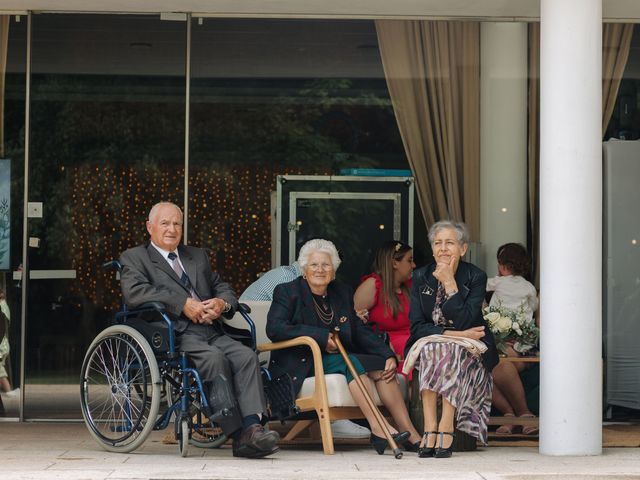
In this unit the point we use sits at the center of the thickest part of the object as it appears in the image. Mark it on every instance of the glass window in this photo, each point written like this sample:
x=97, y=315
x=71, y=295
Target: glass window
x=273, y=97
x=107, y=142
x=11, y=213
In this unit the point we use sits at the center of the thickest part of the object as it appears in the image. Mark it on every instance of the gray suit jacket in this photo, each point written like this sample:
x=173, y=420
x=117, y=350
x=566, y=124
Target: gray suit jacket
x=147, y=277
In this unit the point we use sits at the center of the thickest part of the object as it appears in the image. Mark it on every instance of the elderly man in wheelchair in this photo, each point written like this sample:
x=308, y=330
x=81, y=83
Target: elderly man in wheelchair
x=176, y=301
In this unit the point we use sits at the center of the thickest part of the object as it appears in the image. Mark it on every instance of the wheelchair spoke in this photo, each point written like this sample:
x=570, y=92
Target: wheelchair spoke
x=118, y=389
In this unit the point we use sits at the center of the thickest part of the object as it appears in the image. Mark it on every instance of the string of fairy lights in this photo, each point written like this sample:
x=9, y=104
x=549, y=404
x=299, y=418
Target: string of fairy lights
x=229, y=214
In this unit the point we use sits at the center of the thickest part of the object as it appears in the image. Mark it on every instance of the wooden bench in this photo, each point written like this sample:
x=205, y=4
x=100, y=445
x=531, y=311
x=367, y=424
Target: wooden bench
x=526, y=421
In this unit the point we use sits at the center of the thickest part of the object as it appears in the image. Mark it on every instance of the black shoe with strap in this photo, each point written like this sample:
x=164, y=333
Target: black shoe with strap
x=442, y=452
x=425, y=451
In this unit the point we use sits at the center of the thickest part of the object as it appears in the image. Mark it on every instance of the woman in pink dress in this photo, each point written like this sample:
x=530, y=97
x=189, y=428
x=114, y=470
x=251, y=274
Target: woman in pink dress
x=383, y=297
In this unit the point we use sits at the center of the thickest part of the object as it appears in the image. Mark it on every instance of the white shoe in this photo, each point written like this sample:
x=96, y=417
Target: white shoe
x=348, y=429
x=13, y=393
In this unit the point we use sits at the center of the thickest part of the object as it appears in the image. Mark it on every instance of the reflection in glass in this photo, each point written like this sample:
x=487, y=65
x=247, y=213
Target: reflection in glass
x=12, y=153
x=107, y=142
x=272, y=97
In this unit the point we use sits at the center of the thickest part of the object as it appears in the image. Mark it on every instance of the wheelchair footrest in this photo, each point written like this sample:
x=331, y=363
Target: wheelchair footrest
x=223, y=407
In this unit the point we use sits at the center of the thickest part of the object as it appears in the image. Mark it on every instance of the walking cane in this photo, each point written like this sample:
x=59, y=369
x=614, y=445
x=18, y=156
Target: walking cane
x=365, y=393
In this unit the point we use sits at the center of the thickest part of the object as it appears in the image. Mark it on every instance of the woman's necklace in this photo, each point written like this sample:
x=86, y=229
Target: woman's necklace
x=325, y=312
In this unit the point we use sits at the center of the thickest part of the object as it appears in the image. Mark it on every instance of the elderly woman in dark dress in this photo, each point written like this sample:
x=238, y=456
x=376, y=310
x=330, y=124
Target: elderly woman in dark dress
x=313, y=305
x=446, y=300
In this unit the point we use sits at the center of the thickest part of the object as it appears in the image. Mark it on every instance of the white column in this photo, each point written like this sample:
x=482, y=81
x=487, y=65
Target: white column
x=503, y=137
x=571, y=227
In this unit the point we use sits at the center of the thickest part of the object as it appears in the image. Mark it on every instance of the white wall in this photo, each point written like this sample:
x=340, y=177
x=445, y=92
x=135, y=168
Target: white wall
x=503, y=137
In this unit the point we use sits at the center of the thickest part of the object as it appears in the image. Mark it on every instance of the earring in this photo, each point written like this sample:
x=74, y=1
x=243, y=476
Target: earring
x=304, y=275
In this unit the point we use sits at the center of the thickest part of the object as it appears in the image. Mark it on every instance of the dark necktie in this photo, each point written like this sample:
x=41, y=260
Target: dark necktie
x=182, y=275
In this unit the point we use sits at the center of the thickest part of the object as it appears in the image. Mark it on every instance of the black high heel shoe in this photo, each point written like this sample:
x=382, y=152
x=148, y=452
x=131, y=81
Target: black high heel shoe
x=442, y=452
x=380, y=444
x=411, y=447
x=427, y=451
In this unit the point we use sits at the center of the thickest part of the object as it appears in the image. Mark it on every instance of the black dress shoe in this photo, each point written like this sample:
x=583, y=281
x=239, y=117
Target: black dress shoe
x=442, y=452
x=256, y=442
x=426, y=451
x=380, y=444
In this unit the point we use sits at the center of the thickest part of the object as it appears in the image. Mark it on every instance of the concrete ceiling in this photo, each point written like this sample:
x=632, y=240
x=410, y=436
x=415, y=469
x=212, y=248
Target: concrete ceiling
x=496, y=9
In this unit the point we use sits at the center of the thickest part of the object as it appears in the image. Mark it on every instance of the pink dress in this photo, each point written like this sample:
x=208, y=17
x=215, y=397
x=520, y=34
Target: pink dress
x=397, y=328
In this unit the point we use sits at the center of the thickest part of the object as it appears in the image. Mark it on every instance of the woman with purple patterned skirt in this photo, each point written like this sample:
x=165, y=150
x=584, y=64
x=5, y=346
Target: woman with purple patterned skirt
x=450, y=344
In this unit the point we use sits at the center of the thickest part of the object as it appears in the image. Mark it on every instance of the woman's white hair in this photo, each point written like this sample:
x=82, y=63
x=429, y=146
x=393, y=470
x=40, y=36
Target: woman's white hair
x=459, y=227
x=318, y=245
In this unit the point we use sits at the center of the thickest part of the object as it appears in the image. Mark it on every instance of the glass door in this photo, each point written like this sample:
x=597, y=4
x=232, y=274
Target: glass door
x=107, y=142
x=12, y=124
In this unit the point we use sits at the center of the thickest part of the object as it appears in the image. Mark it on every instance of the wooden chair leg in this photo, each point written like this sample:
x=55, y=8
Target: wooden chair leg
x=299, y=427
x=325, y=432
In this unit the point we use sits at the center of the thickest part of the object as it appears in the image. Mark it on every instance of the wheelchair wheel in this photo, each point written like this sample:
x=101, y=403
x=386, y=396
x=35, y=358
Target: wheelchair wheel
x=183, y=438
x=206, y=434
x=120, y=389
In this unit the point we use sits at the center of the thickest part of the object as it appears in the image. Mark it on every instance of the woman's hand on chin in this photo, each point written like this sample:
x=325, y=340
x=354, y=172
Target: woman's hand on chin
x=445, y=271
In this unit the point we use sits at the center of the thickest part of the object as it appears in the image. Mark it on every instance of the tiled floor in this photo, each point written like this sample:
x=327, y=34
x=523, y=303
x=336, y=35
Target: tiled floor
x=66, y=451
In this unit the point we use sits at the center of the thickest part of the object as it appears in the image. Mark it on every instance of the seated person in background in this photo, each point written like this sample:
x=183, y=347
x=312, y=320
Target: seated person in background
x=5, y=384
x=449, y=332
x=180, y=277
x=262, y=289
x=383, y=297
x=512, y=291
x=313, y=305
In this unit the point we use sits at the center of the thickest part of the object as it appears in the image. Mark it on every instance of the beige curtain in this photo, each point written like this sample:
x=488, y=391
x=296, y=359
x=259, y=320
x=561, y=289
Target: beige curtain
x=616, y=43
x=432, y=70
x=533, y=147
x=4, y=42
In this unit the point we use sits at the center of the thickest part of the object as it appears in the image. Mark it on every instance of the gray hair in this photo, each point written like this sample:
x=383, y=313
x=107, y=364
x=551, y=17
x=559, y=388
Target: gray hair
x=154, y=210
x=318, y=245
x=460, y=228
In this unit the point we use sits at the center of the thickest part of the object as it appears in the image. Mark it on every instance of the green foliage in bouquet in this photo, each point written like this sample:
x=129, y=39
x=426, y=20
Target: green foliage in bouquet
x=511, y=326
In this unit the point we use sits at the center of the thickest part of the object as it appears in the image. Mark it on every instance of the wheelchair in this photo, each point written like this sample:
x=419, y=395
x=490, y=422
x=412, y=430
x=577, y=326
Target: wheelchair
x=134, y=380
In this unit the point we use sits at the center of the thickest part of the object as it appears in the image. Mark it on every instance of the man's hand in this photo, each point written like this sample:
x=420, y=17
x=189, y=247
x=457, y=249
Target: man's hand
x=194, y=310
x=214, y=307
x=205, y=312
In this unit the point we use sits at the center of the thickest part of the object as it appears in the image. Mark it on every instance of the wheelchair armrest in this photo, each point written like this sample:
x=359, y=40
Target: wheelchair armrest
x=243, y=307
x=151, y=306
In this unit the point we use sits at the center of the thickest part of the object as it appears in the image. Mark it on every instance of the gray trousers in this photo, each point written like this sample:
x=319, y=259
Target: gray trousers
x=214, y=353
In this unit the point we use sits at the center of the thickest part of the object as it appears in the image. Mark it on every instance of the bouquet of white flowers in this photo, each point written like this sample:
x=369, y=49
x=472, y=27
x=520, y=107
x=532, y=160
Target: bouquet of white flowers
x=511, y=326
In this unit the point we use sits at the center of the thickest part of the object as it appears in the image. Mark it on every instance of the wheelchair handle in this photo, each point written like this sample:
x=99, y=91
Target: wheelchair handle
x=112, y=265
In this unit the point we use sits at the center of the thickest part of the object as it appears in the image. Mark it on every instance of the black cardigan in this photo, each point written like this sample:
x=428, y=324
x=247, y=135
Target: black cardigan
x=292, y=315
x=462, y=311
